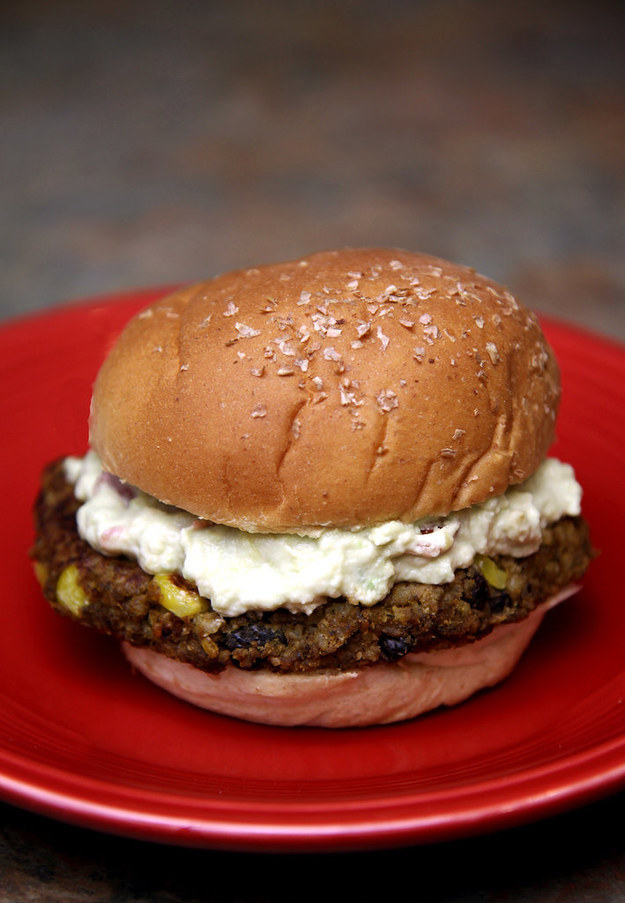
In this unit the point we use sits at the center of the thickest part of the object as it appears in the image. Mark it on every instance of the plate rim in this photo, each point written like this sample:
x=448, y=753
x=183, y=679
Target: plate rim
x=302, y=835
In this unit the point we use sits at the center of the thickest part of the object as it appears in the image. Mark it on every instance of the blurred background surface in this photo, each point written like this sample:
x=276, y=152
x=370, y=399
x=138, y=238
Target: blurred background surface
x=157, y=141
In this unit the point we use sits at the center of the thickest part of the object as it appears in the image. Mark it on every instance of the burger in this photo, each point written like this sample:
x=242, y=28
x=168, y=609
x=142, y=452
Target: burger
x=318, y=492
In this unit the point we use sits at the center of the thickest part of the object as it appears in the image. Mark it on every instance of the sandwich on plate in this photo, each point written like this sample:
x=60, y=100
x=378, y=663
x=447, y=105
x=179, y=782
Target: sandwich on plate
x=319, y=492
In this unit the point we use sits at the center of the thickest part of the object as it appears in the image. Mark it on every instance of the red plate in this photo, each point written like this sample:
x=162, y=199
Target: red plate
x=84, y=740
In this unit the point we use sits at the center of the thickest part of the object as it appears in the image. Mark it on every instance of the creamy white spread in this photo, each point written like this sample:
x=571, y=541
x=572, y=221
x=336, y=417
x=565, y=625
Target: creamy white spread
x=241, y=571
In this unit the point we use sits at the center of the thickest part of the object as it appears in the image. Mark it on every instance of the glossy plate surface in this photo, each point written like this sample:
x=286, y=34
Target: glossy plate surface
x=84, y=740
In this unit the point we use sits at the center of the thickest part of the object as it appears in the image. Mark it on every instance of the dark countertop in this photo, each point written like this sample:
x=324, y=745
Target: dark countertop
x=149, y=143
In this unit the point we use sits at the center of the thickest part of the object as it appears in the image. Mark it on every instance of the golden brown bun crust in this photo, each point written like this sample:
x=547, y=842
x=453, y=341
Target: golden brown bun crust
x=350, y=387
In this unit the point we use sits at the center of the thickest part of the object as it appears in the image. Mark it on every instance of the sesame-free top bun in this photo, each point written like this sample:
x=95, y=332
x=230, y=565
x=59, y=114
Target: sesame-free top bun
x=346, y=388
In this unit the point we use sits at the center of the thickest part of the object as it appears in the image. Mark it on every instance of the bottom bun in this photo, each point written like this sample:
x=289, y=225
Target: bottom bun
x=378, y=694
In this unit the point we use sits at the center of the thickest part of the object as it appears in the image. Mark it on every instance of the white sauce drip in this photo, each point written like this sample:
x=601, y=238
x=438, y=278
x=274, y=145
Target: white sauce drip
x=241, y=571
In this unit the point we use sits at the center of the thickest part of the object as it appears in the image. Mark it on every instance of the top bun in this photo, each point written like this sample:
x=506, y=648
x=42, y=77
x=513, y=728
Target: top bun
x=347, y=388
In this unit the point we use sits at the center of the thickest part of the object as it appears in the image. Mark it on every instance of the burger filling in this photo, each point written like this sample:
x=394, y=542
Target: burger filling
x=241, y=571
x=122, y=562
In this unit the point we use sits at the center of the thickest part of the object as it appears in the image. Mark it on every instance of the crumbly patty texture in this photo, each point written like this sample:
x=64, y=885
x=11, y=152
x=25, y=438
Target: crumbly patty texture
x=114, y=596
